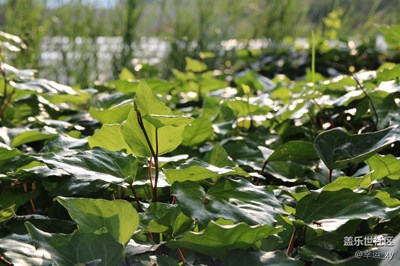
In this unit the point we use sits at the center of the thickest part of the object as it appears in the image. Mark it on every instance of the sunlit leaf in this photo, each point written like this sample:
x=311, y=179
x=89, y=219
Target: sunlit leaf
x=118, y=216
x=196, y=170
x=217, y=239
x=199, y=131
x=109, y=137
x=384, y=166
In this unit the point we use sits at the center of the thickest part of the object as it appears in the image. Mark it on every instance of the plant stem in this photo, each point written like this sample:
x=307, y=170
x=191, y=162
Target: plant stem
x=153, y=153
x=370, y=101
x=136, y=198
x=181, y=256
x=5, y=261
x=291, y=242
x=149, y=166
x=156, y=167
x=33, y=207
x=330, y=176
x=140, y=122
x=371, y=187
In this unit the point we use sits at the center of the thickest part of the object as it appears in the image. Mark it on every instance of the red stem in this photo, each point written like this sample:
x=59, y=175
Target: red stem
x=291, y=242
x=181, y=256
x=5, y=261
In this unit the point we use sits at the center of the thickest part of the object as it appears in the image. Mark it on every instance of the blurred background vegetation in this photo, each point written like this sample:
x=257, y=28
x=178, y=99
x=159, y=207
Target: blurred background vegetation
x=81, y=41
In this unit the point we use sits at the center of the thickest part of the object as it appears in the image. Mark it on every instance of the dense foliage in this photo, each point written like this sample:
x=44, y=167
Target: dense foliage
x=203, y=169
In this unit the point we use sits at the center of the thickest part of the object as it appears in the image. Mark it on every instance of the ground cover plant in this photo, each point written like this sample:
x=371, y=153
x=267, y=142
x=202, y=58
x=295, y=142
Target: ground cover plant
x=206, y=168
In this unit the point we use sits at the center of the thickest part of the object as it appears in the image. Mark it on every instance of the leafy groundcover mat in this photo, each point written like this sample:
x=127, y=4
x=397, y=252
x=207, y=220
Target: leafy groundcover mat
x=206, y=168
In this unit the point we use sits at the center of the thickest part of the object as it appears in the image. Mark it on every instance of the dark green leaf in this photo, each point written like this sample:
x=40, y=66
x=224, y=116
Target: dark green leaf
x=93, y=166
x=16, y=197
x=332, y=209
x=337, y=149
x=150, y=260
x=78, y=248
x=260, y=258
x=235, y=200
x=294, y=151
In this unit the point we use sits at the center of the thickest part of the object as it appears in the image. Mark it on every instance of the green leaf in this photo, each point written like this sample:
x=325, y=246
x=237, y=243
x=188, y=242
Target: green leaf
x=219, y=157
x=30, y=136
x=195, y=170
x=194, y=65
x=43, y=86
x=392, y=33
x=16, y=197
x=92, y=167
x=63, y=143
x=169, y=137
x=147, y=260
x=294, y=151
x=117, y=216
x=260, y=258
x=7, y=152
x=126, y=74
x=18, y=250
x=114, y=114
x=42, y=222
x=332, y=209
x=199, y=131
x=7, y=213
x=166, y=130
x=109, y=137
x=148, y=103
x=349, y=182
x=384, y=166
x=235, y=200
x=160, y=121
x=218, y=240
x=79, y=248
x=337, y=149
x=162, y=217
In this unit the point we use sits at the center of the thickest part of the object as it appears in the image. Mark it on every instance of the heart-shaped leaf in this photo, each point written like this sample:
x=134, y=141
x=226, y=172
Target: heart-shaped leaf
x=109, y=137
x=328, y=210
x=117, y=216
x=235, y=200
x=217, y=239
x=196, y=170
x=337, y=149
x=293, y=151
x=384, y=166
x=18, y=250
x=79, y=248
